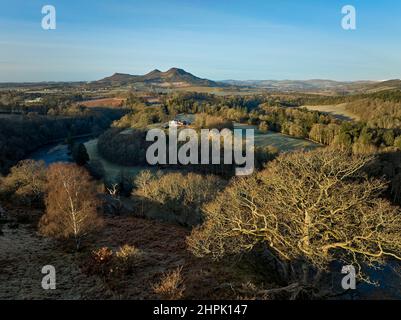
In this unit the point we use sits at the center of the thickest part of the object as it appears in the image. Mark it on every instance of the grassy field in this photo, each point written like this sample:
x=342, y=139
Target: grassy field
x=280, y=141
x=339, y=111
x=112, y=170
x=106, y=102
x=219, y=91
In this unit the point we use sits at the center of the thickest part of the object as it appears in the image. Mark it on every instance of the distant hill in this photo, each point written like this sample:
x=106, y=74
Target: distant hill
x=117, y=78
x=319, y=85
x=174, y=77
x=301, y=85
x=385, y=85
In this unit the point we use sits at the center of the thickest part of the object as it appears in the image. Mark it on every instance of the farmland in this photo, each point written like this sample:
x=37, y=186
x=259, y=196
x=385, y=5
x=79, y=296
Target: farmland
x=339, y=111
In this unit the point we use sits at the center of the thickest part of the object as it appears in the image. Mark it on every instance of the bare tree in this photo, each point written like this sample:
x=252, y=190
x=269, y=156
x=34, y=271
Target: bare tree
x=308, y=209
x=179, y=194
x=116, y=202
x=113, y=190
x=71, y=204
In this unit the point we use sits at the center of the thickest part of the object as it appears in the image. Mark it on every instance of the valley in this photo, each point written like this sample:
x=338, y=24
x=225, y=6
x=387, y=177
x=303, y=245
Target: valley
x=189, y=159
x=339, y=111
x=155, y=230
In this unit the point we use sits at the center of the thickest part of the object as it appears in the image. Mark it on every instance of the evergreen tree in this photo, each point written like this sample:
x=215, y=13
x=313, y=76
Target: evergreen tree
x=80, y=154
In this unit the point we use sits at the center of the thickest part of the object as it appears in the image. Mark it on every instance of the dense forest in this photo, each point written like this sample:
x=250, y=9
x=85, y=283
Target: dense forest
x=379, y=109
x=277, y=114
x=270, y=112
x=22, y=134
x=12, y=101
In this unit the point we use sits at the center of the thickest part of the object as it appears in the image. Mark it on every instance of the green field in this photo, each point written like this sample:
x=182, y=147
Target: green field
x=112, y=170
x=280, y=141
x=338, y=111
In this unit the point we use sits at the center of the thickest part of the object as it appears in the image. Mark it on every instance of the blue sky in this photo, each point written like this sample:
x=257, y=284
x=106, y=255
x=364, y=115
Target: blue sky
x=219, y=39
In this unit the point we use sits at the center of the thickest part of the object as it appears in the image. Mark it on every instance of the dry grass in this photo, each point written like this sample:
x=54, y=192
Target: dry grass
x=22, y=256
x=171, y=285
x=339, y=111
x=127, y=252
x=162, y=249
x=106, y=102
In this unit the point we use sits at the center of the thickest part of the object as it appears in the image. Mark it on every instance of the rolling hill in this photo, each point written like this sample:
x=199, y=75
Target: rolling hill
x=320, y=85
x=385, y=85
x=314, y=85
x=174, y=77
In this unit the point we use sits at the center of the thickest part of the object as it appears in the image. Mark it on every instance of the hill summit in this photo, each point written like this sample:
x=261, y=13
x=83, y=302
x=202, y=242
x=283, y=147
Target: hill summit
x=174, y=77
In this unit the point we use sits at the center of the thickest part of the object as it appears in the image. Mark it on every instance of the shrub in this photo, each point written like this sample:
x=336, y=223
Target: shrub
x=107, y=263
x=171, y=286
x=102, y=255
x=127, y=256
x=126, y=252
x=101, y=262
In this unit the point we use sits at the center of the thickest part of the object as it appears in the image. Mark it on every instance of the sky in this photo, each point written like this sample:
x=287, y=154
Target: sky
x=218, y=40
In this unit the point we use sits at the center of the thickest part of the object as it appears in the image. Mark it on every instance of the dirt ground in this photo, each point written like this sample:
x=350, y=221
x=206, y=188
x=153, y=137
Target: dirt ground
x=164, y=249
x=23, y=253
x=22, y=256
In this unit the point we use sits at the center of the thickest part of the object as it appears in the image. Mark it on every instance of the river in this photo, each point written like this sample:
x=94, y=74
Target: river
x=60, y=153
x=389, y=277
